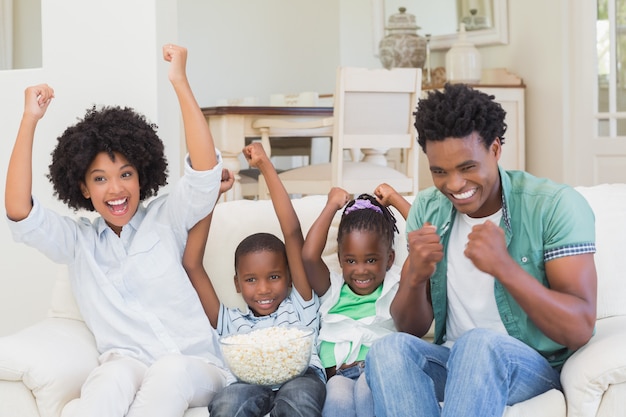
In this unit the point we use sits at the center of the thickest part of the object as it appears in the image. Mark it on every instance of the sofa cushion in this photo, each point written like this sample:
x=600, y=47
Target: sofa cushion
x=51, y=358
x=63, y=305
x=608, y=202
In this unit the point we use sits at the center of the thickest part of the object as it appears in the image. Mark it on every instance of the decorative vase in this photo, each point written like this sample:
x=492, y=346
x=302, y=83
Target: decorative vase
x=402, y=47
x=463, y=63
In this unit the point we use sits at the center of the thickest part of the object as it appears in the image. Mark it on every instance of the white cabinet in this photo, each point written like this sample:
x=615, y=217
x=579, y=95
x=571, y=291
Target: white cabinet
x=513, y=150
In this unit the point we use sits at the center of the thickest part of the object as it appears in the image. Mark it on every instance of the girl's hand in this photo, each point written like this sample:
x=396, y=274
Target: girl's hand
x=337, y=197
x=37, y=99
x=384, y=194
x=177, y=56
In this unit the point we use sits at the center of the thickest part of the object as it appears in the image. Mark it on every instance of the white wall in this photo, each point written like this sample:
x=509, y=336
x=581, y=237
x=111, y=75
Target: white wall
x=92, y=54
x=538, y=52
x=257, y=48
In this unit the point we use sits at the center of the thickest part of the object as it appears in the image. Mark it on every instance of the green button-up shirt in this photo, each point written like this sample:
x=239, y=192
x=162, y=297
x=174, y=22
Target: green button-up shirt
x=542, y=221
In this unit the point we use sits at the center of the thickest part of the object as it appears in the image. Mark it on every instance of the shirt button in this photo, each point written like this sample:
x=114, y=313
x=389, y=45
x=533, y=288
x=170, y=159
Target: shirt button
x=524, y=259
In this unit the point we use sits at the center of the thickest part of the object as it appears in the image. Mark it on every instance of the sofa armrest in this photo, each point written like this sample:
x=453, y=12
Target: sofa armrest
x=51, y=358
x=599, y=364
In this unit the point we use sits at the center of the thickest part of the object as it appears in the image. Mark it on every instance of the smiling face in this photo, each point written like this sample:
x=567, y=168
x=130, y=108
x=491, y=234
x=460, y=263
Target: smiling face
x=364, y=258
x=263, y=279
x=466, y=172
x=113, y=187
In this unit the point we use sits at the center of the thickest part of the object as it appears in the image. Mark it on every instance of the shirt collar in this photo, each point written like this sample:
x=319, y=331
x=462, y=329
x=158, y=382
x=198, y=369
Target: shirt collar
x=505, y=184
x=135, y=221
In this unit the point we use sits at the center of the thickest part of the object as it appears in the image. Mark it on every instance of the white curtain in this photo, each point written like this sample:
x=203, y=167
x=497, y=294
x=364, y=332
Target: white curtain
x=6, y=34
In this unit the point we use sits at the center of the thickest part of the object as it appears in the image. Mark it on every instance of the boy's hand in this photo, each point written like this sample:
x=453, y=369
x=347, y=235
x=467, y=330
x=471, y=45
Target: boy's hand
x=37, y=99
x=177, y=56
x=227, y=180
x=255, y=154
x=337, y=197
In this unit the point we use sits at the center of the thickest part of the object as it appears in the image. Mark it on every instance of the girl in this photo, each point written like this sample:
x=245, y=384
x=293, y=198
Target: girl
x=355, y=304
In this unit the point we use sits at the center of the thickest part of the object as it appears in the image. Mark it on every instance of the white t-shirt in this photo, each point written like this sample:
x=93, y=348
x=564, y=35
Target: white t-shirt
x=471, y=300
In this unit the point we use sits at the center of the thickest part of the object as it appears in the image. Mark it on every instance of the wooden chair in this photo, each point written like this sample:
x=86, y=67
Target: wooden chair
x=373, y=113
x=295, y=146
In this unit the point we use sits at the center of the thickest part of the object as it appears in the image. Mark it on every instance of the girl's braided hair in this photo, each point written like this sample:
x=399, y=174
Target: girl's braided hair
x=366, y=213
x=111, y=130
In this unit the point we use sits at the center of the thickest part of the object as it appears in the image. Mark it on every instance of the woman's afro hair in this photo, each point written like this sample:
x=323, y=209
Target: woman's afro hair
x=456, y=112
x=111, y=129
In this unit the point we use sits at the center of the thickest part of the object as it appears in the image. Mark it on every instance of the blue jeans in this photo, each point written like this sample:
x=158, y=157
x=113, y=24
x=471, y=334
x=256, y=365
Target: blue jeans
x=482, y=373
x=302, y=396
x=347, y=394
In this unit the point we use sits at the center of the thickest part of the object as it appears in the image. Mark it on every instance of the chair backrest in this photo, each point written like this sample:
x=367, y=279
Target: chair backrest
x=373, y=111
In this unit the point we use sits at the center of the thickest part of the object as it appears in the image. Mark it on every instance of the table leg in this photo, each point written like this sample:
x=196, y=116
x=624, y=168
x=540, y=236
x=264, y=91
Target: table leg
x=231, y=162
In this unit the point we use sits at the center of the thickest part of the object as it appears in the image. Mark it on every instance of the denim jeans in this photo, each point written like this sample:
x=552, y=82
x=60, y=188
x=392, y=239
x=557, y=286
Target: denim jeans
x=347, y=394
x=302, y=396
x=479, y=376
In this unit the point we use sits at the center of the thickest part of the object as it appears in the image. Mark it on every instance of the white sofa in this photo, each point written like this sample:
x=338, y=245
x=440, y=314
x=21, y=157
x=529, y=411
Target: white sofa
x=43, y=366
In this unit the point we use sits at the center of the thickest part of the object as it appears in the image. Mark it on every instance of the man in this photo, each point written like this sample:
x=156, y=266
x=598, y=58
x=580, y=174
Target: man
x=501, y=260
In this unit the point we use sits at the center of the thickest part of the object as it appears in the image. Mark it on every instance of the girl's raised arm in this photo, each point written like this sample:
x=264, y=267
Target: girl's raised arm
x=388, y=196
x=194, y=255
x=316, y=268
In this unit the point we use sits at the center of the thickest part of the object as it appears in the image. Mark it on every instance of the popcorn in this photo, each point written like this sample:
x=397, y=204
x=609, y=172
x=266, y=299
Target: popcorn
x=270, y=356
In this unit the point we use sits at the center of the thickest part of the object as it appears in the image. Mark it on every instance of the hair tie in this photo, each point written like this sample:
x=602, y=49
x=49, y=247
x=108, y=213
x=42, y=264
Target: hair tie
x=360, y=204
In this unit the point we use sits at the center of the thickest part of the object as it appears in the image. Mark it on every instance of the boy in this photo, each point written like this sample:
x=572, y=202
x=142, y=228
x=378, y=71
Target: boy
x=265, y=269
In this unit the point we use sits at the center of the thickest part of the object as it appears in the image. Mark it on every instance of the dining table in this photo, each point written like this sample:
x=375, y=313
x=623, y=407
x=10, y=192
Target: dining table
x=231, y=126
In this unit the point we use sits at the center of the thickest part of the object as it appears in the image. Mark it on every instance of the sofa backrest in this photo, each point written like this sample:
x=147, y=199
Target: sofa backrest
x=608, y=202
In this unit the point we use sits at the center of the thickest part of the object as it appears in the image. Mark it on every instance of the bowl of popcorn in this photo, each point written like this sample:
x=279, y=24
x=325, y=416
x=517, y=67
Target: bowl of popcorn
x=269, y=356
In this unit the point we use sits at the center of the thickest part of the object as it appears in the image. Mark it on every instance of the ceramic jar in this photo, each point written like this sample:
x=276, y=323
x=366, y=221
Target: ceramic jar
x=463, y=63
x=402, y=47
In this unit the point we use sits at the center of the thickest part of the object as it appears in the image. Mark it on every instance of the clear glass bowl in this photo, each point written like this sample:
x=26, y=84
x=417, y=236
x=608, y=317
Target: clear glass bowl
x=269, y=356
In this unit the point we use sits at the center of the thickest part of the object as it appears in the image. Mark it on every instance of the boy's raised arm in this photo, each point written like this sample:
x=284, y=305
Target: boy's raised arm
x=19, y=183
x=287, y=217
x=194, y=255
x=197, y=134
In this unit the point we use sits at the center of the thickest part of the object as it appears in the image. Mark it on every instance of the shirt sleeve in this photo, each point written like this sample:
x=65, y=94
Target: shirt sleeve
x=570, y=226
x=413, y=220
x=194, y=195
x=49, y=232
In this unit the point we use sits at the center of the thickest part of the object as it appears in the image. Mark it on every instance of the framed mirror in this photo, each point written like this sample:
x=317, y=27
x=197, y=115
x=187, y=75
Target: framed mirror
x=486, y=21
